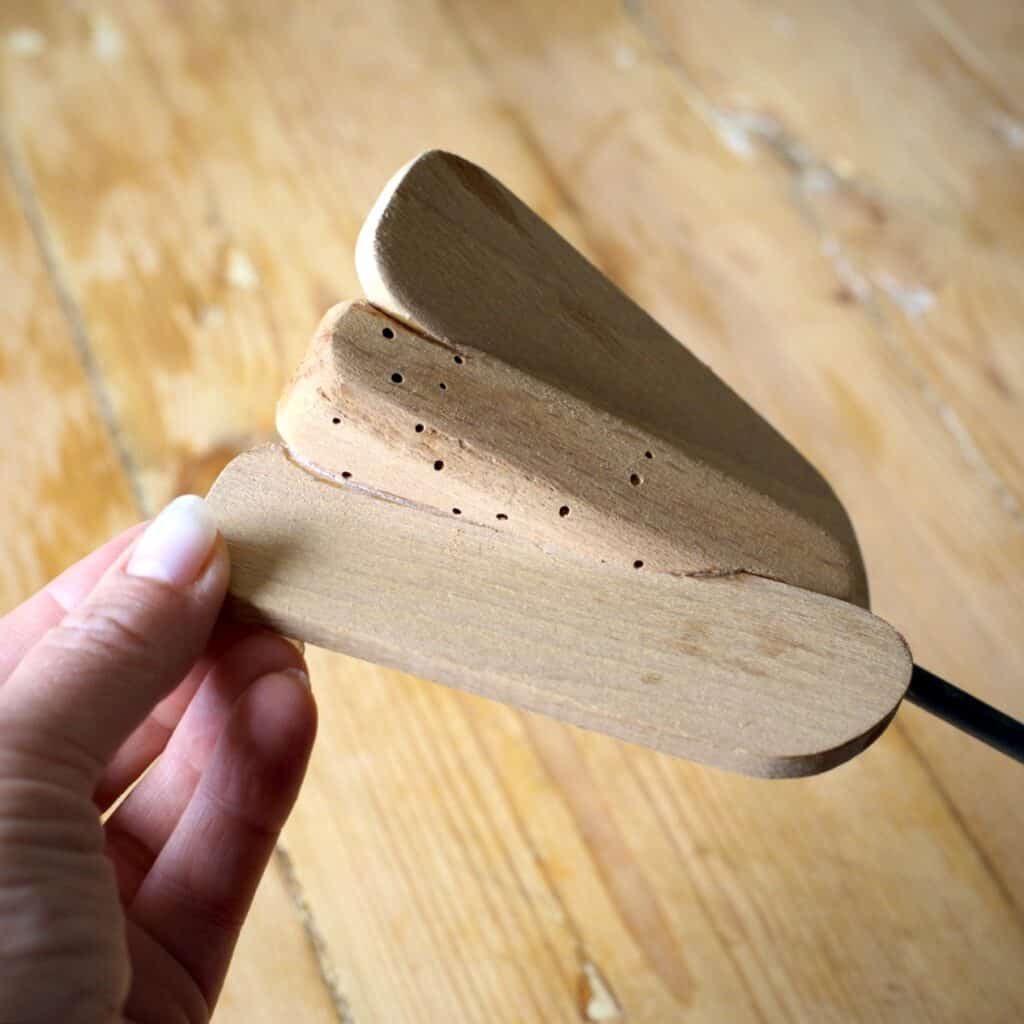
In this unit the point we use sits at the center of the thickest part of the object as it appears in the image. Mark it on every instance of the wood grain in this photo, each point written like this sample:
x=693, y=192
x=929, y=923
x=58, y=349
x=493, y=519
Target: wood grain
x=456, y=429
x=744, y=258
x=58, y=442
x=449, y=248
x=741, y=672
x=913, y=225
x=203, y=186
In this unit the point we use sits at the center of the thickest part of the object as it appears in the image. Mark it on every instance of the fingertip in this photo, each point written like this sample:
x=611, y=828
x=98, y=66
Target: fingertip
x=278, y=715
x=252, y=653
x=265, y=748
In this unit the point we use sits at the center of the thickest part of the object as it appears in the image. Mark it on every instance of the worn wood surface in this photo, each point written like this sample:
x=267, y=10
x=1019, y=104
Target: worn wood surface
x=823, y=200
x=455, y=428
x=739, y=672
x=449, y=248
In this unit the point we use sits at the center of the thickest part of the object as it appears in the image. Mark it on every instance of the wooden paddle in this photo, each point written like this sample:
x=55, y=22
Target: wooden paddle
x=505, y=476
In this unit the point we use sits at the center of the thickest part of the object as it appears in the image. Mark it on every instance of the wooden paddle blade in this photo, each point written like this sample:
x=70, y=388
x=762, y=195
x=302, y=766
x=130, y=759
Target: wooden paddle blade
x=743, y=673
x=450, y=249
x=457, y=430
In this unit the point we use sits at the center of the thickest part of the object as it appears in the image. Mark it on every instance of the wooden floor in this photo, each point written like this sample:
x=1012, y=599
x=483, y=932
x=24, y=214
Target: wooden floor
x=824, y=200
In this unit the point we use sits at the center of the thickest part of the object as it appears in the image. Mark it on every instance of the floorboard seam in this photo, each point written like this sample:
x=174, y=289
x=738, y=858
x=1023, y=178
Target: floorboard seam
x=314, y=935
x=954, y=812
x=33, y=213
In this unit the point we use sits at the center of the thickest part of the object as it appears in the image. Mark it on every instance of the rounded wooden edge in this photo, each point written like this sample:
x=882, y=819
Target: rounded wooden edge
x=390, y=293
x=231, y=496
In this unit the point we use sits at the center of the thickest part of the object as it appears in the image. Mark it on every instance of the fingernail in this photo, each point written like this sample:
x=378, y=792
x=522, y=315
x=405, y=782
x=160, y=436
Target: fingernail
x=176, y=544
x=298, y=675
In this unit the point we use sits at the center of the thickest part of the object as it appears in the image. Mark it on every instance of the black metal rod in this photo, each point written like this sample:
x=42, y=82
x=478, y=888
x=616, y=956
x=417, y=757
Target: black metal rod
x=967, y=713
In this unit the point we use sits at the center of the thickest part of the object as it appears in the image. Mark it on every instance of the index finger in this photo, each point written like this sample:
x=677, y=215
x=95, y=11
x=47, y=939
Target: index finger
x=22, y=628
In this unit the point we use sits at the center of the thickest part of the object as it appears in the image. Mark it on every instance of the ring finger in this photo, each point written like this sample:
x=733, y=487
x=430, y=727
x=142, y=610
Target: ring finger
x=139, y=827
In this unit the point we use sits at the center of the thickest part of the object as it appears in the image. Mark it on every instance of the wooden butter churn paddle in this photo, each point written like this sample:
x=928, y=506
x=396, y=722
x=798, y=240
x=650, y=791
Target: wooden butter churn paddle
x=501, y=474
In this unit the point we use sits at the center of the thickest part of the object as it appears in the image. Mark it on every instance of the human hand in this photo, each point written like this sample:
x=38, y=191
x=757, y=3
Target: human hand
x=117, y=661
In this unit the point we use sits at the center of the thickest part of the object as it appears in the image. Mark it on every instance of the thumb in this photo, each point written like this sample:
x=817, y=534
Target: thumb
x=89, y=681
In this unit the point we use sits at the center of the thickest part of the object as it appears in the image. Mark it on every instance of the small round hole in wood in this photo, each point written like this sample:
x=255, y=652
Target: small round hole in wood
x=638, y=564
x=456, y=511
x=419, y=428
x=563, y=511
x=501, y=516
x=388, y=333
x=648, y=455
x=397, y=378
x=458, y=359
x=634, y=479
x=336, y=419
x=443, y=386
x=346, y=475
x=439, y=465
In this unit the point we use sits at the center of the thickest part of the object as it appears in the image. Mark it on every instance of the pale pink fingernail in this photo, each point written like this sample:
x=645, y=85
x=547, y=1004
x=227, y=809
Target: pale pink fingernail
x=176, y=544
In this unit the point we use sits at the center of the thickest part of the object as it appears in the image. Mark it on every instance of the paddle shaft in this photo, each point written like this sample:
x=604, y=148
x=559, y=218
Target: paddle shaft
x=966, y=713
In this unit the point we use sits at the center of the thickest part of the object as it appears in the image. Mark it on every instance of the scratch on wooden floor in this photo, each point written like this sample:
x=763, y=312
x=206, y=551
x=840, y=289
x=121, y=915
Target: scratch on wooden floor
x=914, y=303
x=1009, y=129
x=741, y=130
x=854, y=283
x=914, y=300
x=597, y=1002
x=624, y=58
x=315, y=937
x=241, y=271
x=106, y=39
x=26, y=42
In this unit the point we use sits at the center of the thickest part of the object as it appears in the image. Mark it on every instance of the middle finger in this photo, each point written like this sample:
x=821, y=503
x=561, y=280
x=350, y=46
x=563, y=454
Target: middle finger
x=139, y=827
